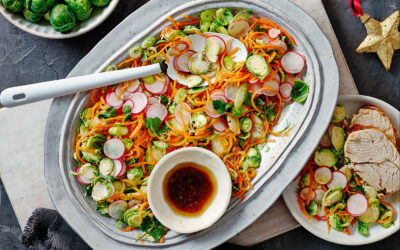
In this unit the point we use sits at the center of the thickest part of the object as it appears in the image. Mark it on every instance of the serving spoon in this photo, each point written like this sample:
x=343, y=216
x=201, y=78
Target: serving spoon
x=20, y=95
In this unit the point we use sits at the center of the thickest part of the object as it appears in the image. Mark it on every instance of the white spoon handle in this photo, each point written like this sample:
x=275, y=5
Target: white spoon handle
x=15, y=96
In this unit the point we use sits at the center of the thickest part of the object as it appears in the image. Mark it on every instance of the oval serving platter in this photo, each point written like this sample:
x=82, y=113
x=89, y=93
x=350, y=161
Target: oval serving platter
x=279, y=166
x=352, y=103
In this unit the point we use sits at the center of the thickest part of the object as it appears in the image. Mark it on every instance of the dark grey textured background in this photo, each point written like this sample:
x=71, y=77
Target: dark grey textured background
x=25, y=59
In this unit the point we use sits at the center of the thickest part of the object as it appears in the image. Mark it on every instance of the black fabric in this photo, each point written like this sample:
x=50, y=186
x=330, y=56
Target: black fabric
x=46, y=229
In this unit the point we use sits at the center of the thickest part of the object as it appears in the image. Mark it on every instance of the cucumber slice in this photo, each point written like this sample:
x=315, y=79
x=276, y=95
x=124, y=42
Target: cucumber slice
x=195, y=90
x=106, y=166
x=257, y=65
x=194, y=81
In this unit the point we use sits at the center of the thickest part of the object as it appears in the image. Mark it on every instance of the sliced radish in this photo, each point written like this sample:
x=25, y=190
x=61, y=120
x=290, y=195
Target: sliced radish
x=254, y=80
x=181, y=61
x=277, y=77
x=165, y=89
x=114, y=148
x=323, y=175
x=156, y=87
x=254, y=87
x=117, y=208
x=220, y=41
x=119, y=168
x=221, y=124
x=132, y=203
x=321, y=213
x=157, y=110
x=153, y=100
x=218, y=93
x=139, y=89
x=121, y=93
x=181, y=115
x=133, y=85
x=211, y=112
x=279, y=43
x=230, y=92
x=357, y=204
x=285, y=89
x=113, y=100
x=139, y=102
x=238, y=28
x=287, y=100
x=338, y=179
x=292, y=62
x=304, y=193
x=82, y=179
x=262, y=39
x=273, y=84
x=274, y=33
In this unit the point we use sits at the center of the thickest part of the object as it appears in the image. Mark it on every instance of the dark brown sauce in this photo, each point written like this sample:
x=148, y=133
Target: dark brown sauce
x=189, y=188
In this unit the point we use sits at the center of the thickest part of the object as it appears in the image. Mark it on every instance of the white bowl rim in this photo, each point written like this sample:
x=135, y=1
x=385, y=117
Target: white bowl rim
x=222, y=203
x=106, y=12
x=345, y=239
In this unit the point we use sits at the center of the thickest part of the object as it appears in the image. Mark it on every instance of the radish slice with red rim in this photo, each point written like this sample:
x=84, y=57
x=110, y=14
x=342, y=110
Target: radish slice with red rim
x=181, y=61
x=220, y=125
x=119, y=168
x=113, y=100
x=357, y=204
x=139, y=102
x=181, y=115
x=133, y=85
x=255, y=87
x=338, y=179
x=166, y=84
x=285, y=89
x=279, y=43
x=277, y=77
x=305, y=192
x=287, y=100
x=153, y=100
x=323, y=175
x=230, y=92
x=122, y=93
x=156, y=87
x=82, y=179
x=274, y=33
x=272, y=84
x=218, y=93
x=117, y=208
x=292, y=62
x=114, y=148
x=139, y=89
x=254, y=80
x=157, y=110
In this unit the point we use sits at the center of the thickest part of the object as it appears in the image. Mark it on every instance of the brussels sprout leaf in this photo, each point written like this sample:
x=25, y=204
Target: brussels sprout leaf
x=300, y=91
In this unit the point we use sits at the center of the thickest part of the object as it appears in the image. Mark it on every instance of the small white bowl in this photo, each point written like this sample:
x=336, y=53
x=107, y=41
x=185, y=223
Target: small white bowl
x=44, y=29
x=217, y=207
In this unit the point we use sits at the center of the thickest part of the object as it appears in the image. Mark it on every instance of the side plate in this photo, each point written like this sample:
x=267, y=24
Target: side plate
x=279, y=165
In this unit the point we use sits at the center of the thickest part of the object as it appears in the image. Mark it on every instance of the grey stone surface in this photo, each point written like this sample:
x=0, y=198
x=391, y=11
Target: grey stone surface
x=25, y=58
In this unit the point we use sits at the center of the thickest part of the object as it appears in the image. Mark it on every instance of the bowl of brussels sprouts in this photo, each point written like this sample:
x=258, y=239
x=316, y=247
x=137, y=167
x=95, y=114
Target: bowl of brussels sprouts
x=57, y=19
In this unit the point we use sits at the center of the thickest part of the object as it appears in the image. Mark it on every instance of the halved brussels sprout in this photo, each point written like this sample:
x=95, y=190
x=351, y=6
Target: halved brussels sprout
x=370, y=216
x=333, y=195
x=305, y=182
x=39, y=6
x=118, y=131
x=172, y=34
x=224, y=16
x=81, y=8
x=384, y=215
x=205, y=26
x=190, y=29
x=370, y=192
x=135, y=175
x=198, y=120
x=347, y=171
x=312, y=208
x=338, y=138
x=32, y=16
x=229, y=63
x=132, y=218
x=337, y=223
x=96, y=141
x=363, y=228
x=339, y=114
x=93, y=156
x=253, y=159
x=62, y=18
x=100, y=3
x=208, y=15
x=245, y=124
x=14, y=6
x=325, y=157
x=242, y=15
x=136, y=52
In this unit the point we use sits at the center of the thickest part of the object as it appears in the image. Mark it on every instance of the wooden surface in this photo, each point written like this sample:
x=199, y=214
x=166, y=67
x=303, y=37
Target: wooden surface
x=21, y=161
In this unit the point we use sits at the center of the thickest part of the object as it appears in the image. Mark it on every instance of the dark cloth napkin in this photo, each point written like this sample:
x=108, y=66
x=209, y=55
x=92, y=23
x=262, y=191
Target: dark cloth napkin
x=46, y=229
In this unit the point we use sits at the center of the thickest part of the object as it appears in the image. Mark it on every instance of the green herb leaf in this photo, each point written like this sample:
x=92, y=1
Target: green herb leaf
x=247, y=99
x=300, y=91
x=152, y=124
x=270, y=113
x=237, y=111
x=258, y=28
x=128, y=143
x=164, y=100
x=108, y=113
x=88, y=190
x=102, y=208
x=219, y=106
x=153, y=227
x=130, y=161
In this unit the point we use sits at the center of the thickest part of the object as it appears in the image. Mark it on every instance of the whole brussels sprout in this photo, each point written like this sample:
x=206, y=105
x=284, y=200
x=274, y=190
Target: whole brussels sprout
x=81, y=8
x=62, y=18
x=100, y=3
x=13, y=5
x=39, y=6
x=31, y=16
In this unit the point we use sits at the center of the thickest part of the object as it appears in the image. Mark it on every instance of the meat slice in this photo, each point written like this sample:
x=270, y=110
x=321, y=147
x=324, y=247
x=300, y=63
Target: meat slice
x=382, y=176
x=370, y=145
x=375, y=158
x=371, y=116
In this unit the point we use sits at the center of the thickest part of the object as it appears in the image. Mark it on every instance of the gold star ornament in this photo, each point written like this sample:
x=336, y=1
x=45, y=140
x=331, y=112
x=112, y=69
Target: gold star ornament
x=383, y=37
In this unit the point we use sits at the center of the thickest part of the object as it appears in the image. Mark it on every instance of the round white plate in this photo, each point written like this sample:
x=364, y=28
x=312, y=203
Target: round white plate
x=44, y=29
x=319, y=228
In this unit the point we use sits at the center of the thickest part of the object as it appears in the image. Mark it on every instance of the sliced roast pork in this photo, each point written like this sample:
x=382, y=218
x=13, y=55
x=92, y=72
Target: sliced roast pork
x=371, y=116
x=375, y=158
